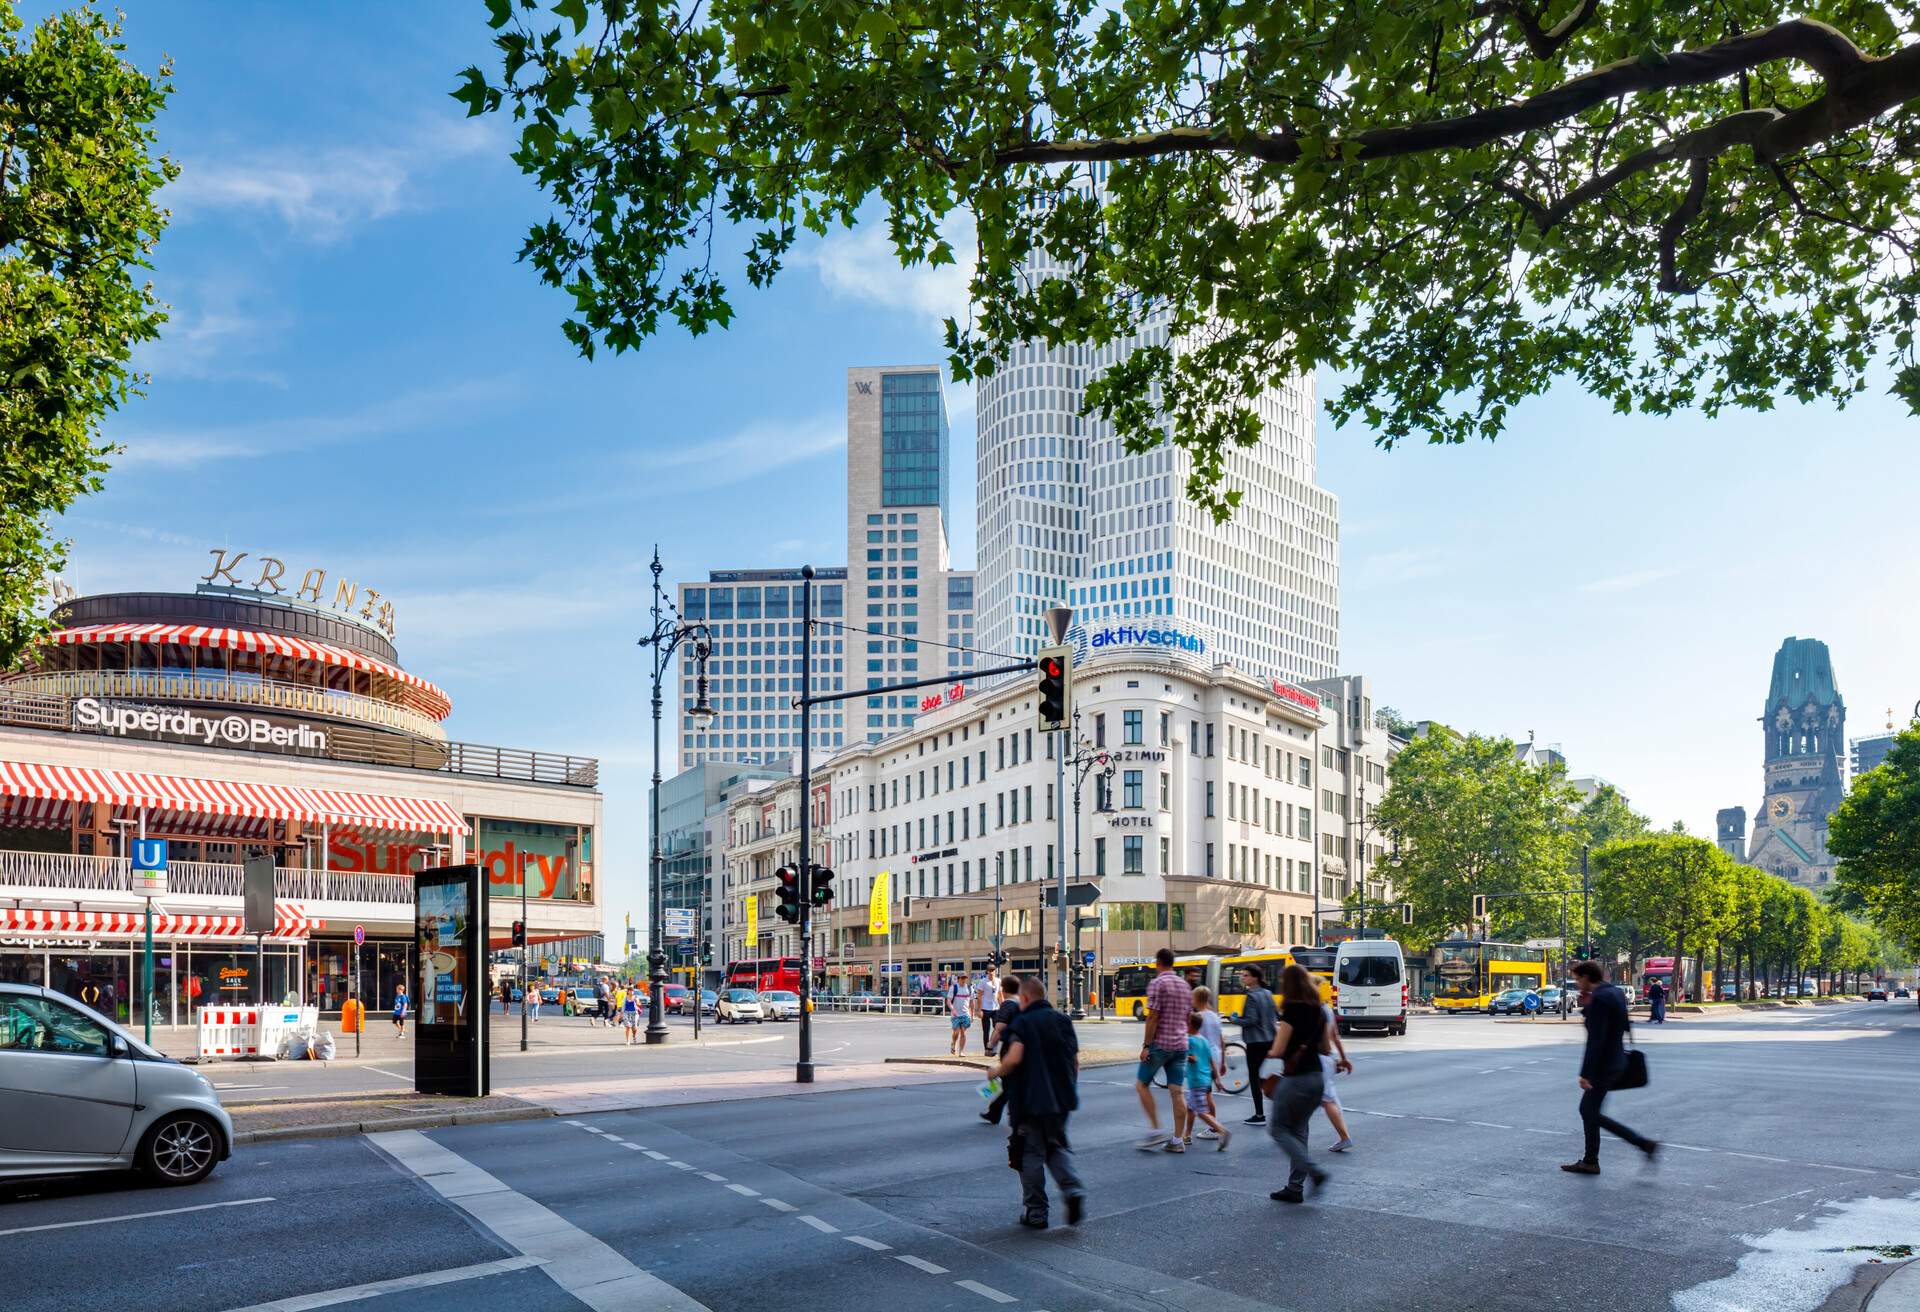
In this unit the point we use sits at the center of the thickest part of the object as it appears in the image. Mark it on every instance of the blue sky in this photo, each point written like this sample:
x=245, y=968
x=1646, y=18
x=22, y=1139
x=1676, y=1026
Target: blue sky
x=358, y=375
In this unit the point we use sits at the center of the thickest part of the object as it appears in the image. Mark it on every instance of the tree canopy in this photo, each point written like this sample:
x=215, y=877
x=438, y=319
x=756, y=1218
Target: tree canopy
x=1452, y=203
x=78, y=175
x=1875, y=833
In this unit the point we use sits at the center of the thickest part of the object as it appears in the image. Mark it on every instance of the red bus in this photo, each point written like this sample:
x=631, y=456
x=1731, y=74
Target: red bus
x=766, y=973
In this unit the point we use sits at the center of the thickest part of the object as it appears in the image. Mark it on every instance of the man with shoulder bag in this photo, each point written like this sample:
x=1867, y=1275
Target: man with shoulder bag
x=1605, y=1066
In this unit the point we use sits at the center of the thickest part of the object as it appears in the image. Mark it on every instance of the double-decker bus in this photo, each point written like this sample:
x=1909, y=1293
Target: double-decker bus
x=765, y=973
x=1471, y=971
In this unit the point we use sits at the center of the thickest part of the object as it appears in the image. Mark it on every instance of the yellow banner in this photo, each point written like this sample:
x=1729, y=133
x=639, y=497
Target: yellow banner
x=880, y=905
x=753, y=921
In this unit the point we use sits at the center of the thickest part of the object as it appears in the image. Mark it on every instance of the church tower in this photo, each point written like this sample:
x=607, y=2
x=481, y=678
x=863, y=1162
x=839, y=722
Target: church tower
x=1805, y=728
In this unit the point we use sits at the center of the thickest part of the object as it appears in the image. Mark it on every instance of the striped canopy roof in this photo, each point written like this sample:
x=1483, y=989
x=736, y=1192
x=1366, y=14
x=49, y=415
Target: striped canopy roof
x=428, y=696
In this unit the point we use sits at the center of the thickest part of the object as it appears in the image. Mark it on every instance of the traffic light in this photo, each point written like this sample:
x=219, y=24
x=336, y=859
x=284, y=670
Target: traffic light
x=788, y=908
x=519, y=933
x=822, y=891
x=1479, y=906
x=706, y=952
x=1406, y=913
x=1056, y=677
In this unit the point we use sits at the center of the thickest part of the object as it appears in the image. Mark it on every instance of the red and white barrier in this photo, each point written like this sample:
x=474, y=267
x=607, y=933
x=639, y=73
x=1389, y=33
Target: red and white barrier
x=229, y=1032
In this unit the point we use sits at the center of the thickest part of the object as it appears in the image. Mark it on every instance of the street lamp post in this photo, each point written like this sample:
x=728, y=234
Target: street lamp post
x=669, y=631
x=1084, y=759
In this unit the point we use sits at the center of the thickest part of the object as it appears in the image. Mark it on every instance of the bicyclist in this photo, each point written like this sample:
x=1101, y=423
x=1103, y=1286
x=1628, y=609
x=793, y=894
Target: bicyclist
x=1212, y=1031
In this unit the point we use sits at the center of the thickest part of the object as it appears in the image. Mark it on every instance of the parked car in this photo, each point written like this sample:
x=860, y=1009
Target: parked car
x=674, y=997
x=550, y=996
x=779, y=1004
x=708, y=1001
x=1550, y=998
x=1878, y=993
x=1902, y=992
x=1514, y=1002
x=1370, y=986
x=78, y=1093
x=737, y=1006
x=866, y=1002
x=1633, y=994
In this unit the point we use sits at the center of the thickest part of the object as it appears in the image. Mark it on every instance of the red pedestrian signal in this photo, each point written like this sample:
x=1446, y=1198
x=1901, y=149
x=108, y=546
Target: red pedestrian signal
x=519, y=933
x=787, y=907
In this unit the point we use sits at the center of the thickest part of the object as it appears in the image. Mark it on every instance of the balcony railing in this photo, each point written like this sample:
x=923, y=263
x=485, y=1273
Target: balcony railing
x=56, y=872
x=38, y=709
x=268, y=694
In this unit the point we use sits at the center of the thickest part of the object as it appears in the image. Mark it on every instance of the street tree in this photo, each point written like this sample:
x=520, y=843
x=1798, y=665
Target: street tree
x=1875, y=833
x=1678, y=889
x=1450, y=205
x=78, y=174
x=1607, y=816
x=1469, y=817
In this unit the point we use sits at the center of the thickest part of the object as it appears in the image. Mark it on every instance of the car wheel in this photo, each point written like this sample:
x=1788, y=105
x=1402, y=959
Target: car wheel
x=180, y=1149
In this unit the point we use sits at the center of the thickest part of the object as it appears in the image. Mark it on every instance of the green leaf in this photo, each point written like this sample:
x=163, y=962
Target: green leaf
x=576, y=10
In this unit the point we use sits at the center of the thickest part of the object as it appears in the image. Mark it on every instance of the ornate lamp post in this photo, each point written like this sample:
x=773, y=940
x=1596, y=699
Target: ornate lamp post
x=669, y=631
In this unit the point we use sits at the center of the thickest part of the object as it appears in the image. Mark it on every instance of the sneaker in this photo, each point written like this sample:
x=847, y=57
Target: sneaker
x=1151, y=1142
x=1175, y=1146
x=1076, y=1208
x=1034, y=1222
x=1581, y=1168
x=1206, y=1134
x=1258, y=1118
x=1288, y=1195
x=1225, y=1137
x=1652, y=1150
x=1342, y=1146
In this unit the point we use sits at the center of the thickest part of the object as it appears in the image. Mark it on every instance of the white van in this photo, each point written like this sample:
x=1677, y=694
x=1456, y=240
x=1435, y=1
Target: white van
x=1370, y=985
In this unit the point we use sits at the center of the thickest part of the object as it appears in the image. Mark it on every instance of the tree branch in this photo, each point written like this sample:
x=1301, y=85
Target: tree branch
x=1871, y=82
x=1543, y=43
x=1690, y=206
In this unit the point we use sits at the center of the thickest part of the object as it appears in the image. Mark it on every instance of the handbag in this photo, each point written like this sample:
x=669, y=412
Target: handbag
x=1633, y=1075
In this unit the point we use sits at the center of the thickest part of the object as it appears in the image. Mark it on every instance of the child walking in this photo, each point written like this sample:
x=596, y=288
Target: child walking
x=400, y=1011
x=630, y=1016
x=1202, y=1060
x=1215, y=1034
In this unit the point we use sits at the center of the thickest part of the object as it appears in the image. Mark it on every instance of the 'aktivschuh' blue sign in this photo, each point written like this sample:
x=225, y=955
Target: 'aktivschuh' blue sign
x=1134, y=636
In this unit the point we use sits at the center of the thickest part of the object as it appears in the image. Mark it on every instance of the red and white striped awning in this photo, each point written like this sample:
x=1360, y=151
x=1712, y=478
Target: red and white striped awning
x=429, y=698
x=229, y=798
x=290, y=921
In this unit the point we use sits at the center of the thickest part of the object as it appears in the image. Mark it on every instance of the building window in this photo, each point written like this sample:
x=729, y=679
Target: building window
x=1133, y=855
x=1243, y=920
x=1100, y=731
x=1166, y=854
x=1131, y=785
x=1209, y=860
x=1099, y=856
x=1166, y=791
x=1133, y=724
x=1209, y=799
x=1166, y=728
x=1209, y=751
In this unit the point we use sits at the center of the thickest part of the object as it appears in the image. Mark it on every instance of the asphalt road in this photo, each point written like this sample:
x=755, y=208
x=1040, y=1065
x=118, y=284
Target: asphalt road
x=1790, y=1156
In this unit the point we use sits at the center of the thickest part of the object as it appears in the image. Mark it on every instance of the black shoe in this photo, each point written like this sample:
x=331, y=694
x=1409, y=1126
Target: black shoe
x=1076, y=1208
x=1288, y=1195
x=989, y=1118
x=1258, y=1118
x=1581, y=1168
x=1320, y=1180
x=1034, y=1222
x=1652, y=1149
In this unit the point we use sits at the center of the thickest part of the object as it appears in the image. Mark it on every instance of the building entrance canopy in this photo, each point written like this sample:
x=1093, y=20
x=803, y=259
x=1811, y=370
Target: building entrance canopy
x=289, y=922
x=42, y=796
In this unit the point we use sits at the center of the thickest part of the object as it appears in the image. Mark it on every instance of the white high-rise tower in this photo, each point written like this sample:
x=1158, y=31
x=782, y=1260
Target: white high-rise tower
x=1067, y=517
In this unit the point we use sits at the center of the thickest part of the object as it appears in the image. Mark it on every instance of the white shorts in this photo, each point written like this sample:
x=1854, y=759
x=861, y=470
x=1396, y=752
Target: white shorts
x=1331, y=1092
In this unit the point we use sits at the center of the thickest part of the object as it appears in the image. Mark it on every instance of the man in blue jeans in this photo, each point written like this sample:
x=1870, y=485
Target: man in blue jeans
x=1169, y=1003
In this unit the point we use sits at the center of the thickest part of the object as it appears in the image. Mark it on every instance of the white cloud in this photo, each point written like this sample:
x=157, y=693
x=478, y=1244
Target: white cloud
x=210, y=334
x=426, y=407
x=760, y=446
x=321, y=193
x=863, y=265
x=1629, y=581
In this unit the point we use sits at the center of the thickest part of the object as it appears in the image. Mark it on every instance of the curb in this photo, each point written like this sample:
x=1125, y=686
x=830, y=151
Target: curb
x=1898, y=1291
x=346, y=1129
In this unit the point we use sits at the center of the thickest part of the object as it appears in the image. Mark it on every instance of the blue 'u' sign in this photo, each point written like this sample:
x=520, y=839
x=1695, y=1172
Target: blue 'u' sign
x=149, y=854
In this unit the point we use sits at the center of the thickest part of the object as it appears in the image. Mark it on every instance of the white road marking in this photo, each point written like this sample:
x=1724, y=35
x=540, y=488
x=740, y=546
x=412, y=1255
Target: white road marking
x=593, y=1272
x=1758, y=1157
x=634, y=1146
x=779, y=1206
x=1685, y=1147
x=709, y=1175
x=1829, y=1166
x=874, y=1244
x=1534, y=1129
x=392, y=1075
x=684, y=1166
x=1392, y=1116
x=743, y=1191
x=658, y=1157
x=824, y=1227
x=985, y=1291
x=399, y=1284
x=1491, y=1125
x=261, y=1087
x=921, y=1264
x=1444, y=1120
x=132, y=1216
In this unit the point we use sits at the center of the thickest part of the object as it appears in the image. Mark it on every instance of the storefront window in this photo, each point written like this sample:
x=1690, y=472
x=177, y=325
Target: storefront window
x=506, y=847
x=97, y=979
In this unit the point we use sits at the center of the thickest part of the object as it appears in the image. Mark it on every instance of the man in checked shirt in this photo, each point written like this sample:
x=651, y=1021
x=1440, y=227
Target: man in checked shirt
x=1169, y=1002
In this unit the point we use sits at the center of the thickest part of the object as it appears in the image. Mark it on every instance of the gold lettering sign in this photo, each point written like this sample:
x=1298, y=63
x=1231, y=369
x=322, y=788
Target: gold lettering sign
x=348, y=597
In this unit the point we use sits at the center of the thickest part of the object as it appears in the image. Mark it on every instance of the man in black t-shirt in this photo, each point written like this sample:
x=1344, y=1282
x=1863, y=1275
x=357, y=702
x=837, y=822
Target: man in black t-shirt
x=1041, y=1066
x=1003, y=1018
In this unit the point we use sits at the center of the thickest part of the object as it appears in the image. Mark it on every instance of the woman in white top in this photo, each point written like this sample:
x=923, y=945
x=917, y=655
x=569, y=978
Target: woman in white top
x=1330, y=1101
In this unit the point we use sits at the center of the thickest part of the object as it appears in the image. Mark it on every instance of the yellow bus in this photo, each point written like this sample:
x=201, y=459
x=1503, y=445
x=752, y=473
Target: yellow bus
x=1130, y=982
x=1471, y=971
x=1232, y=994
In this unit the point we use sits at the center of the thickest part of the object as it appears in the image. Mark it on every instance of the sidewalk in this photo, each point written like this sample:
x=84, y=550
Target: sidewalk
x=1899, y=1292
x=551, y=1034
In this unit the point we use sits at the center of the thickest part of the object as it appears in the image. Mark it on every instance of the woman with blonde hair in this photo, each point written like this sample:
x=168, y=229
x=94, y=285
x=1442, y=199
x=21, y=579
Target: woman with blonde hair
x=1301, y=1037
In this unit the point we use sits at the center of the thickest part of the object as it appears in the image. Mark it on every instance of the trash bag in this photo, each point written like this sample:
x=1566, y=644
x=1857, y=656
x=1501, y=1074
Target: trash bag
x=298, y=1044
x=325, y=1049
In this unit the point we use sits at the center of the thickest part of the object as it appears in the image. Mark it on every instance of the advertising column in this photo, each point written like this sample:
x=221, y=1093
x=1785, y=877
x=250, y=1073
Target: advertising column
x=450, y=926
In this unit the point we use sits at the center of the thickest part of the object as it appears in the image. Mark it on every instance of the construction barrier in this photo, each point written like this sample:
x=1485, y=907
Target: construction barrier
x=277, y=1022
x=229, y=1032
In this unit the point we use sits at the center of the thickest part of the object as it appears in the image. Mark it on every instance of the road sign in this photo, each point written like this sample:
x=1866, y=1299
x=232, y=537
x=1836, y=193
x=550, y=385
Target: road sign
x=150, y=866
x=1544, y=943
x=890, y=967
x=1078, y=895
x=359, y=935
x=677, y=922
x=1086, y=958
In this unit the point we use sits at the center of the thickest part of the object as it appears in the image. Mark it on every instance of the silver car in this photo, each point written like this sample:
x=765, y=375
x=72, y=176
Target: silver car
x=79, y=1093
x=780, y=1004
